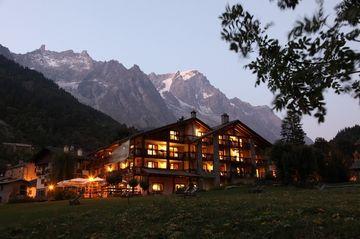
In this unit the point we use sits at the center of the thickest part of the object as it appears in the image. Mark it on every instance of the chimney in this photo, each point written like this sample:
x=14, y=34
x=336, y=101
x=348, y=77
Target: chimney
x=79, y=152
x=224, y=118
x=193, y=114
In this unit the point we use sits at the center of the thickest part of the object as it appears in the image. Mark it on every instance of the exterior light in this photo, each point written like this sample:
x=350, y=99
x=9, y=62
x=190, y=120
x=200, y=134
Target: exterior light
x=51, y=187
x=109, y=169
x=91, y=179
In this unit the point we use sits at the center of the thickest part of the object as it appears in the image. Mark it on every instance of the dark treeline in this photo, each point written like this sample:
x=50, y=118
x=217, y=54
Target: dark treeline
x=325, y=161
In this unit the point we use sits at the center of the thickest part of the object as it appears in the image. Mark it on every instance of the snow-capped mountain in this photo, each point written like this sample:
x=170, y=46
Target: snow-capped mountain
x=187, y=90
x=127, y=95
x=144, y=101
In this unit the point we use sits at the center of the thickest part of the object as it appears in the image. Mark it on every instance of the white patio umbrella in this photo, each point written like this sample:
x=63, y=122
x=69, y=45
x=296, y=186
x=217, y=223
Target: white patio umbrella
x=79, y=180
x=63, y=183
x=98, y=180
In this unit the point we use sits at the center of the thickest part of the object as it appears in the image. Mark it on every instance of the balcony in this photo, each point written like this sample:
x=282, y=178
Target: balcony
x=162, y=154
x=154, y=153
x=207, y=157
x=224, y=143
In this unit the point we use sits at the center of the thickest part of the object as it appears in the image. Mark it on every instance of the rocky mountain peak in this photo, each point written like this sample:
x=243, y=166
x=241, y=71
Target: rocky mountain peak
x=184, y=91
x=42, y=48
x=145, y=101
x=127, y=95
x=4, y=51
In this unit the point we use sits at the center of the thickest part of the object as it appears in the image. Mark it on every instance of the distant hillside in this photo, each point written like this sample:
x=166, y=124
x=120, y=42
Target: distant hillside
x=351, y=134
x=35, y=110
x=348, y=139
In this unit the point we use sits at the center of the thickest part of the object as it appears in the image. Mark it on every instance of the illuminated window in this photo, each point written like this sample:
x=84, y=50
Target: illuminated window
x=221, y=155
x=123, y=165
x=179, y=186
x=151, y=149
x=174, y=135
x=152, y=164
x=234, y=138
x=208, y=167
x=198, y=133
x=235, y=154
x=157, y=187
x=222, y=139
x=173, y=151
x=174, y=166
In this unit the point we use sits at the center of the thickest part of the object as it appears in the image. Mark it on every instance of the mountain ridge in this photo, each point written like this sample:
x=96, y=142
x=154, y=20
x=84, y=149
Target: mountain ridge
x=192, y=90
x=102, y=85
x=146, y=100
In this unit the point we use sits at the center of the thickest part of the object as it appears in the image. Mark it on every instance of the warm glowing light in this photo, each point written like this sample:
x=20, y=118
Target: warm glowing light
x=198, y=133
x=157, y=187
x=109, y=169
x=51, y=187
x=91, y=179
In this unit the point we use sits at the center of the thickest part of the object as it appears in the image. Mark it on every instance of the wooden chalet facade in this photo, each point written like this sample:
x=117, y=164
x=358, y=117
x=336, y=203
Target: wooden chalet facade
x=188, y=151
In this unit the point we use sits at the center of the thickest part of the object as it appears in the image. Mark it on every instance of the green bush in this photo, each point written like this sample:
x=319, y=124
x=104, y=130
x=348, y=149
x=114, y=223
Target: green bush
x=64, y=194
x=114, y=178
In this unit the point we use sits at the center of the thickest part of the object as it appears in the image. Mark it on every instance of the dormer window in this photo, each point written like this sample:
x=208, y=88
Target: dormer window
x=234, y=138
x=198, y=133
x=174, y=135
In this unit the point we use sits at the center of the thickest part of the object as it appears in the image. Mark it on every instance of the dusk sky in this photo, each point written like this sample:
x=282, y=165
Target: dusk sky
x=162, y=36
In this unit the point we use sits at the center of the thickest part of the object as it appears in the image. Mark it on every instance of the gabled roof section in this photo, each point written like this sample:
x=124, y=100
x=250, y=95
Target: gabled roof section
x=235, y=123
x=169, y=126
x=172, y=125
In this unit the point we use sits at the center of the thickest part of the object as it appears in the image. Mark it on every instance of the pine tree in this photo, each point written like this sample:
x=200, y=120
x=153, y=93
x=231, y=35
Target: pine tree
x=291, y=129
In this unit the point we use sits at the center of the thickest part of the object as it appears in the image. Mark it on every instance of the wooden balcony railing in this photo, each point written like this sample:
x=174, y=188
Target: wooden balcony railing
x=234, y=144
x=154, y=153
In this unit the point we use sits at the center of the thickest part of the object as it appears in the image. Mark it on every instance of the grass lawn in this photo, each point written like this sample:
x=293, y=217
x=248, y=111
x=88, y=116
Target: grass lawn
x=276, y=213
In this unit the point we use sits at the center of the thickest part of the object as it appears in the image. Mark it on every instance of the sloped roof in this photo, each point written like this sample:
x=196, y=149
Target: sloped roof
x=150, y=131
x=8, y=181
x=230, y=124
x=168, y=126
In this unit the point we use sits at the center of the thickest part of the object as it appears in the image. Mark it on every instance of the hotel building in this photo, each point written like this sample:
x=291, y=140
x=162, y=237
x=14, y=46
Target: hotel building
x=187, y=151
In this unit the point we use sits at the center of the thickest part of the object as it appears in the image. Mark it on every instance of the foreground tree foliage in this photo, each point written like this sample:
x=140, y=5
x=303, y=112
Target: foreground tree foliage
x=320, y=54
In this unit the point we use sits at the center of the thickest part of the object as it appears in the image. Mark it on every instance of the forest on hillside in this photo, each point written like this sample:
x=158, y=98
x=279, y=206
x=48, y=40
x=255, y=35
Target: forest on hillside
x=35, y=110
